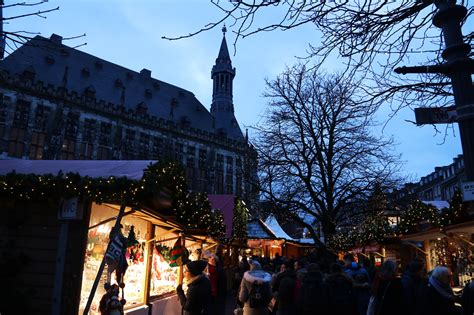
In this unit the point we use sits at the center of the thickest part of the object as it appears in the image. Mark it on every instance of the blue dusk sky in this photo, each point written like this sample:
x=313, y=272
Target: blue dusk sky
x=128, y=33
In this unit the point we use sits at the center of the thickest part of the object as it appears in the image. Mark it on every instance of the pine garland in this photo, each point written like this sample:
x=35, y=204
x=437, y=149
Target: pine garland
x=376, y=227
x=192, y=210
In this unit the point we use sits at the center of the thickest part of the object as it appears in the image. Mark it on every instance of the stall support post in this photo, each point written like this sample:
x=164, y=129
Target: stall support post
x=149, y=260
x=180, y=270
x=102, y=264
x=60, y=262
x=426, y=249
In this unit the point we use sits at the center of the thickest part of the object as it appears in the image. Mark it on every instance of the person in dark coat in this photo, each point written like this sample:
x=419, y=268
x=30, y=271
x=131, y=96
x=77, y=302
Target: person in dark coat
x=197, y=299
x=218, y=281
x=361, y=293
x=439, y=298
x=388, y=290
x=284, y=289
x=467, y=299
x=340, y=292
x=413, y=282
x=312, y=298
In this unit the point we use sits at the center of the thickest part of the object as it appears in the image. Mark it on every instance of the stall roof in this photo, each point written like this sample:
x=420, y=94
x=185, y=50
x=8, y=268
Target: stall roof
x=256, y=229
x=424, y=236
x=96, y=169
x=273, y=225
x=466, y=227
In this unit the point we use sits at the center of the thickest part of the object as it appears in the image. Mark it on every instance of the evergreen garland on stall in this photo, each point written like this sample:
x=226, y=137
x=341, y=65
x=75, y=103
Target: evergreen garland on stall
x=192, y=210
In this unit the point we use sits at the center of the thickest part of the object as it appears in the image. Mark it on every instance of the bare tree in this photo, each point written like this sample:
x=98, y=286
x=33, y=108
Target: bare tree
x=373, y=36
x=10, y=40
x=317, y=155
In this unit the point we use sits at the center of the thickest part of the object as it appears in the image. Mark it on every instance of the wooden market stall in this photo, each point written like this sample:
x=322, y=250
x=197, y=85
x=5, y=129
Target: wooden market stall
x=451, y=246
x=55, y=229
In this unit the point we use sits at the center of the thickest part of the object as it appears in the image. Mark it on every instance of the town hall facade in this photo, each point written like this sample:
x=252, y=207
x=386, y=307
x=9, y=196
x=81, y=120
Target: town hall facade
x=57, y=102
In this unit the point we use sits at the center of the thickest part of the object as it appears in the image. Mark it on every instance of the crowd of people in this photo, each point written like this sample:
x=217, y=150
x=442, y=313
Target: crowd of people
x=284, y=286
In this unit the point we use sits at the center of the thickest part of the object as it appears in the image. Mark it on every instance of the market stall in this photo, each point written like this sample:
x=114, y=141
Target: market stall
x=58, y=219
x=451, y=246
x=261, y=241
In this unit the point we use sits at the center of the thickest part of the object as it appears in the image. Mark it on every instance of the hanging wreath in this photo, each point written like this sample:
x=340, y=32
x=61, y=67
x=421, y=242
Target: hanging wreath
x=164, y=251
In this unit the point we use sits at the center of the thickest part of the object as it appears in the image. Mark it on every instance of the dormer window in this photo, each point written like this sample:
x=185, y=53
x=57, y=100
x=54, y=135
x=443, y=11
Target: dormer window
x=99, y=65
x=141, y=108
x=129, y=76
x=29, y=73
x=185, y=122
x=148, y=93
x=49, y=60
x=64, y=52
x=89, y=92
x=118, y=83
x=85, y=72
x=156, y=86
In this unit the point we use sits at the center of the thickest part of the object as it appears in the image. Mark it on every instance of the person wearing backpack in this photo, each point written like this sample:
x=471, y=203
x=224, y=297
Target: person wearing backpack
x=255, y=292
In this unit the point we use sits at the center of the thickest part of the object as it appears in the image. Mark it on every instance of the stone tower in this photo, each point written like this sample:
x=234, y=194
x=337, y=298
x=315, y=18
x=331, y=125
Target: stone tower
x=222, y=107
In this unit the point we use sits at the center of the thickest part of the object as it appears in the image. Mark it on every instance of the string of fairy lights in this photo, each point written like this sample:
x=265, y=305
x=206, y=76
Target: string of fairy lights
x=192, y=210
x=413, y=218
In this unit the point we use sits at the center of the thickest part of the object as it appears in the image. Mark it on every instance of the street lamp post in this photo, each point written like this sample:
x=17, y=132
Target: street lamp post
x=458, y=67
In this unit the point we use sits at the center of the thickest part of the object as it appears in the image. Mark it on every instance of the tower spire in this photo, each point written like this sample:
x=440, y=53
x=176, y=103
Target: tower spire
x=222, y=107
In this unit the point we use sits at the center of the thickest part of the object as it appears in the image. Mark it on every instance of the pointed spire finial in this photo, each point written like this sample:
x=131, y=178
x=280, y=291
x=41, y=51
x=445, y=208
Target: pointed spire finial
x=224, y=30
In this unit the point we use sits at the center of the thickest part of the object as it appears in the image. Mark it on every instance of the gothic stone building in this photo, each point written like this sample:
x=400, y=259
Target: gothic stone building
x=57, y=102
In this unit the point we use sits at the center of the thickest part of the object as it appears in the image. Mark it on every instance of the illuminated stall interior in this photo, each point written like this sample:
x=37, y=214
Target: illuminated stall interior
x=261, y=241
x=453, y=246
x=152, y=234
x=155, y=237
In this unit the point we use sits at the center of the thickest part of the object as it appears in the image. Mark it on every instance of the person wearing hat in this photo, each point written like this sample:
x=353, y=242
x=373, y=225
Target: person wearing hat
x=255, y=291
x=198, y=296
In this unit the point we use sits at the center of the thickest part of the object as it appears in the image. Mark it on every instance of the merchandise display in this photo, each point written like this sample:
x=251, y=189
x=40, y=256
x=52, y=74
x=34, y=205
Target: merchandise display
x=163, y=277
x=455, y=254
x=97, y=241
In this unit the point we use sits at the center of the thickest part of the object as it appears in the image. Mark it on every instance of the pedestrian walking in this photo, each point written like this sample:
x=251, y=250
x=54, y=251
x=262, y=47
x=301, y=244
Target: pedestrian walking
x=388, y=291
x=284, y=290
x=255, y=292
x=218, y=281
x=467, y=299
x=439, y=298
x=413, y=282
x=312, y=298
x=340, y=292
x=197, y=299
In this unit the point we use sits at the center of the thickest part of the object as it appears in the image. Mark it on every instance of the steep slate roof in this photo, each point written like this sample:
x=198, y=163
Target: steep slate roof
x=256, y=229
x=63, y=66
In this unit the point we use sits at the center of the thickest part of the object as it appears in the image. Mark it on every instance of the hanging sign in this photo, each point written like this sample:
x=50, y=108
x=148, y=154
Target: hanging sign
x=70, y=209
x=467, y=191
